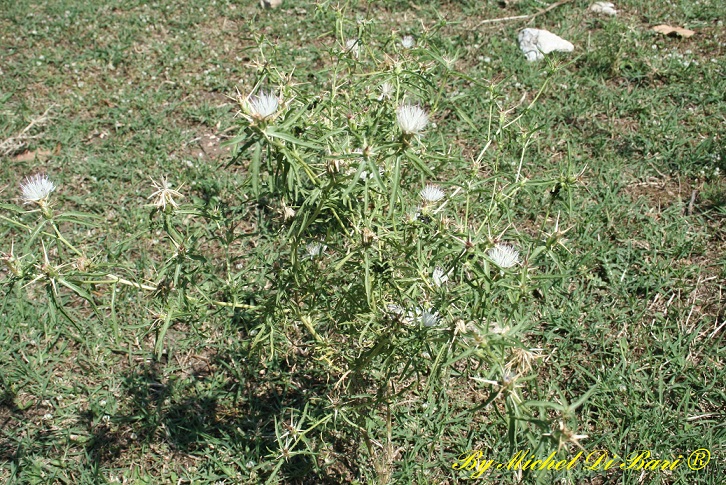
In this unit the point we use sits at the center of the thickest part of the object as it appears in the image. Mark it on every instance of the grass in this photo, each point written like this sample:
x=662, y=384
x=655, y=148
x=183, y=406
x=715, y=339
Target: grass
x=253, y=361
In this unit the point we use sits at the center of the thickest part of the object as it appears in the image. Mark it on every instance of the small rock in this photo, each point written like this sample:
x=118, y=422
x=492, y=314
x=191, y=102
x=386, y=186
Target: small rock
x=605, y=8
x=673, y=31
x=270, y=3
x=536, y=42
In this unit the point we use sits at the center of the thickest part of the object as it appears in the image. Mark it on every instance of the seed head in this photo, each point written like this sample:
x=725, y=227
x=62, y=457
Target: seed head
x=439, y=276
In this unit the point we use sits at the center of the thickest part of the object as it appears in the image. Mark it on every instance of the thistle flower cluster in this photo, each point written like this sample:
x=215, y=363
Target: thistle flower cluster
x=37, y=190
x=429, y=318
x=429, y=196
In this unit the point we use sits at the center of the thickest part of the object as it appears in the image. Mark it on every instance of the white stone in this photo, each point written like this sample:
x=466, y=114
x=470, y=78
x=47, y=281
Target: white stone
x=270, y=3
x=535, y=43
x=605, y=8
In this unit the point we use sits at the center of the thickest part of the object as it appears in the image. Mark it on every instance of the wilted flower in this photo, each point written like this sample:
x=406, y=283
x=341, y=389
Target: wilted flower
x=429, y=318
x=164, y=194
x=408, y=42
x=37, y=189
x=504, y=255
x=386, y=91
x=431, y=193
x=365, y=174
x=449, y=62
x=263, y=105
x=287, y=212
x=394, y=309
x=412, y=119
x=522, y=359
x=352, y=46
x=315, y=249
x=413, y=214
x=563, y=435
x=333, y=166
x=367, y=236
x=439, y=276
x=496, y=328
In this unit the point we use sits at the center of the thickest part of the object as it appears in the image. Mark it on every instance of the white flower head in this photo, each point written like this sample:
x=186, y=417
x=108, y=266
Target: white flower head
x=37, y=189
x=504, y=255
x=431, y=193
x=315, y=249
x=429, y=318
x=439, y=276
x=408, y=42
x=165, y=194
x=386, y=91
x=262, y=105
x=412, y=119
x=352, y=46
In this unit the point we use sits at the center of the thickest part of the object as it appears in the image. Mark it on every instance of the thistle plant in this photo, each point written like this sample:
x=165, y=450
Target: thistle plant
x=401, y=287
x=41, y=255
